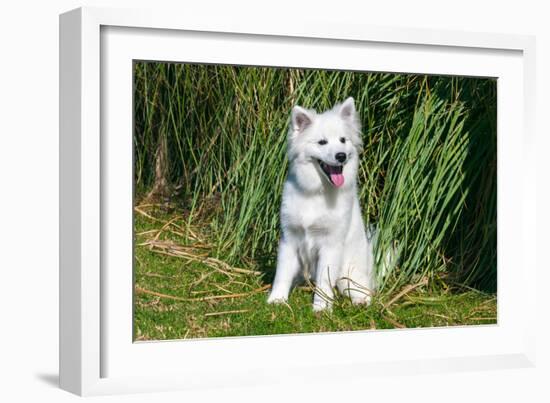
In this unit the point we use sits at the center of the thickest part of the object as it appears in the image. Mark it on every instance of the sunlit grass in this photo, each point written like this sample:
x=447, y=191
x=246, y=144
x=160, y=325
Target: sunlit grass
x=427, y=180
x=178, y=298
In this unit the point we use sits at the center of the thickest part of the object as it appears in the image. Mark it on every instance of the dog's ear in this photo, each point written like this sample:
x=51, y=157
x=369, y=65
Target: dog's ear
x=301, y=119
x=349, y=114
x=347, y=109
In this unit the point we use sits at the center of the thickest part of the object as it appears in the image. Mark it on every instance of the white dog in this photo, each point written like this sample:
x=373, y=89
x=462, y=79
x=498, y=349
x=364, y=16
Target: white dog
x=323, y=234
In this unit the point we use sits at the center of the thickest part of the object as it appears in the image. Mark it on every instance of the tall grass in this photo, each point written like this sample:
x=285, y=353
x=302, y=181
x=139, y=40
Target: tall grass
x=427, y=176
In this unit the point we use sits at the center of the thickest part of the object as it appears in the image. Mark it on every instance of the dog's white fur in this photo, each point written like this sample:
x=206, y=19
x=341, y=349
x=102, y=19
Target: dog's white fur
x=323, y=234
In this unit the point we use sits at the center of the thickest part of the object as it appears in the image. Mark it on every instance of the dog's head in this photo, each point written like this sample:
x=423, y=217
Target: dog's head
x=330, y=141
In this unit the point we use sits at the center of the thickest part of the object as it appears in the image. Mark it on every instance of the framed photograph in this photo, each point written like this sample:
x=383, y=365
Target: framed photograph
x=242, y=202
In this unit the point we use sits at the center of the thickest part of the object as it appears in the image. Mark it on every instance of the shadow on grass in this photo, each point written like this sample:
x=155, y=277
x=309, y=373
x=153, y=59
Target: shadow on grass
x=267, y=264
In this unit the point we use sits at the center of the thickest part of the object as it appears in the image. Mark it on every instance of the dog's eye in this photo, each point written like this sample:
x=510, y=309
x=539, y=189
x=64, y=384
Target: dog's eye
x=342, y=140
x=322, y=142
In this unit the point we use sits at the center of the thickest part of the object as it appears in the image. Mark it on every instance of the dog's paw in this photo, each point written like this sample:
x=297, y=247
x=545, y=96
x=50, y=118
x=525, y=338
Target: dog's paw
x=276, y=299
x=361, y=300
x=322, y=306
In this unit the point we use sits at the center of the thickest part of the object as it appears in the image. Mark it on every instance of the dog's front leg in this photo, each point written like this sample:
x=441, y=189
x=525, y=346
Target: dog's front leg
x=328, y=267
x=288, y=267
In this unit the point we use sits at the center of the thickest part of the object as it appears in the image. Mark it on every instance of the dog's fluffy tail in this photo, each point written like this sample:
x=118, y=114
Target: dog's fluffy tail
x=385, y=257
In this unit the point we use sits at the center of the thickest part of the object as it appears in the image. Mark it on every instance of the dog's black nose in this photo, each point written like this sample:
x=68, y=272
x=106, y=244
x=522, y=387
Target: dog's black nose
x=340, y=157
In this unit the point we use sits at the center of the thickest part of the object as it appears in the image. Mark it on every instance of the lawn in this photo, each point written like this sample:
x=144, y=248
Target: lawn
x=183, y=292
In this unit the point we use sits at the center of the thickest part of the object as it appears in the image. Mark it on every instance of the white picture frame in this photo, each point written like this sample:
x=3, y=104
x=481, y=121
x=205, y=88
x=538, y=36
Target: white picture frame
x=96, y=354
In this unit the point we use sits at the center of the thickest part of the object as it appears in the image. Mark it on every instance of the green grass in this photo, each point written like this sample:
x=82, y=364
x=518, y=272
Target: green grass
x=161, y=318
x=210, y=154
x=427, y=174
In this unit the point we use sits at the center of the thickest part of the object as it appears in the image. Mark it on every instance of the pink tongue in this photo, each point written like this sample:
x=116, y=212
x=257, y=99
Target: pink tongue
x=336, y=178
